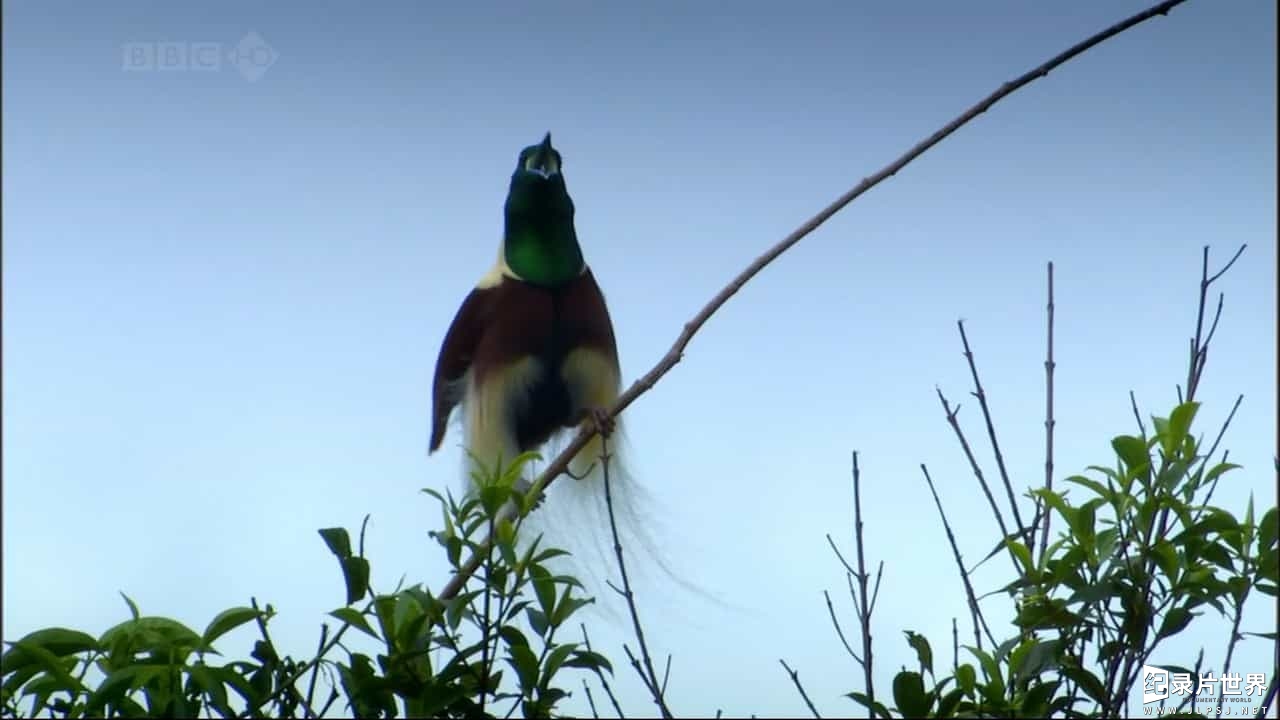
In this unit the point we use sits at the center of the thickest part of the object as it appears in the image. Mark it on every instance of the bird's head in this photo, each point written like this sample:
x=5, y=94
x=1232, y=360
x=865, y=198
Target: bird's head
x=540, y=244
x=537, y=185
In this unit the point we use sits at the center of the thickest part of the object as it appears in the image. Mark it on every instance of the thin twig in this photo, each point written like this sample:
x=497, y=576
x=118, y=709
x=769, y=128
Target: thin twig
x=973, y=462
x=655, y=687
x=488, y=624
x=795, y=678
x=1237, y=616
x=831, y=610
x=1049, y=423
x=875, y=591
x=1204, y=463
x=850, y=574
x=591, y=702
x=1157, y=526
x=981, y=394
x=864, y=615
x=674, y=355
x=333, y=696
x=1200, y=350
x=315, y=669
x=1133, y=402
x=974, y=609
x=252, y=711
x=287, y=689
x=955, y=645
x=604, y=683
x=636, y=665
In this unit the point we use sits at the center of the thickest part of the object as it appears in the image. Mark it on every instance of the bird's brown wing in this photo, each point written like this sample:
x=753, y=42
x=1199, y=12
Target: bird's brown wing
x=456, y=355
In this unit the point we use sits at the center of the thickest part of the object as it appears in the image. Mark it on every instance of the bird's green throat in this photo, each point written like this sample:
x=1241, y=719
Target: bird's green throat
x=539, y=243
x=543, y=256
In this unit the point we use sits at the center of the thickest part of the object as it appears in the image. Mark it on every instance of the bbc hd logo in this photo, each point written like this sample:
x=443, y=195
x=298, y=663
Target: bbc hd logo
x=252, y=57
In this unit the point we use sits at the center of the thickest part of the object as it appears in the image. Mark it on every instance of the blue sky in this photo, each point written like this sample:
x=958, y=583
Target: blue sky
x=223, y=295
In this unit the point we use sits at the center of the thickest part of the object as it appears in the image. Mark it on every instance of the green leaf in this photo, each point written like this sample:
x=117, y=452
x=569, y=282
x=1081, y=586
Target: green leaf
x=1088, y=682
x=567, y=607
x=875, y=707
x=947, y=703
x=238, y=681
x=1166, y=558
x=338, y=541
x=1132, y=452
x=1268, y=566
x=1106, y=542
x=1057, y=502
x=513, y=637
x=1219, y=555
x=58, y=642
x=506, y=542
x=1036, y=702
x=133, y=607
x=1038, y=657
x=1020, y=552
x=1178, y=427
x=525, y=663
x=408, y=616
x=265, y=653
x=17, y=678
x=909, y=694
x=453, y=550
x=454, y=608
x=1219, y=521
x=209, y=681
x=113, y=689
x=1108, y=472
x=1217, y=470
x=991, y=672
x=924, y=653
x=355, y=571
x=544, y=588
x=228, y=620
x=54, y=667
x=1268, y=530
x=1092, y=593
x=1161, y=425
x=1004, y=649
x=384, y=608
x=355, y=619
x=966, y=678
x=1102, y=490
x=537, y=621
x=493, y=496
x=555, y=659
x=589, y=660
x=159, y=635
x=1086, y=520
x=548, y=554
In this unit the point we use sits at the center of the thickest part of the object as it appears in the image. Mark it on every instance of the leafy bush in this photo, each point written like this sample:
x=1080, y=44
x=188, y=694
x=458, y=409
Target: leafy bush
x=1142, y=555
x=442, y=657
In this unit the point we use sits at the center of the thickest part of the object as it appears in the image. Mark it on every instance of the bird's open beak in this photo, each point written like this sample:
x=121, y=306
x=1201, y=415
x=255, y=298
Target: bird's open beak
x=544, y=160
